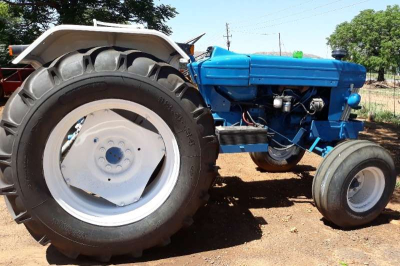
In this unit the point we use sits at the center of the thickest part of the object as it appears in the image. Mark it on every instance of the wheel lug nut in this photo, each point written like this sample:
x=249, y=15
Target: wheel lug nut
x=127, y=161
x=102, y=149
x=111, y=143
x=108, y=167
x=121, y=143
x=119, y=168
x=128, y=152
x=101, y=160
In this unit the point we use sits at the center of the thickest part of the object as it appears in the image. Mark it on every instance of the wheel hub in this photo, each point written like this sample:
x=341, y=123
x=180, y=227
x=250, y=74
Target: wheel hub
x=365, y=189
x=356, y=185
x=114, y=155
x=101, y=159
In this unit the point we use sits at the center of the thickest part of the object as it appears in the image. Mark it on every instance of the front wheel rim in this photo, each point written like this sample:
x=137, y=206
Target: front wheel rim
x=280, y=154
x=98, y=211
x=365, y=189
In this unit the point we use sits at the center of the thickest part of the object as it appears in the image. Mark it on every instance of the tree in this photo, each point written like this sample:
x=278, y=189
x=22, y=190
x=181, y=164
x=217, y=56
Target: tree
x=13, y=30
x=22, y=21
x=372, y=39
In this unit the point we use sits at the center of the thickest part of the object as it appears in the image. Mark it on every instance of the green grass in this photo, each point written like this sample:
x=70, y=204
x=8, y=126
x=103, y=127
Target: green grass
x=388, y=77
x=380, y=116
x=398, y=185
x=382, y=92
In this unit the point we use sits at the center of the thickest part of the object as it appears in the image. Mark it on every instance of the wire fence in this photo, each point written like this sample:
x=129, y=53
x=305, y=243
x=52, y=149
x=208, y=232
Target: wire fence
x=381, y=97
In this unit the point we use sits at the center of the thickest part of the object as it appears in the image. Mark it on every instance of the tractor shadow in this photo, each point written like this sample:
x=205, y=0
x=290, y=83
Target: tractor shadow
x=3, y=102
x=225, y=221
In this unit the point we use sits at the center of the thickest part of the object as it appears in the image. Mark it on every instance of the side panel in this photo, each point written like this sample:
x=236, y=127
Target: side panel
x=274, y=70
x=223, y=68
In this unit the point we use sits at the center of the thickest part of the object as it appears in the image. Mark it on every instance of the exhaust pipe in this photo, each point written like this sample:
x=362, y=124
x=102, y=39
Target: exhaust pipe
x=16, y=50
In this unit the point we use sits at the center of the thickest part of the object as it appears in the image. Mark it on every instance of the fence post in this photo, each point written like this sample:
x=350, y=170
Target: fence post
x=394, y=94
x=369, y=100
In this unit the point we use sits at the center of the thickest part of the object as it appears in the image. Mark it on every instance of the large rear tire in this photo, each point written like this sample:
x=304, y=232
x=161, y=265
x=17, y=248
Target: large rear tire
x=108, y=78
x=354, y=183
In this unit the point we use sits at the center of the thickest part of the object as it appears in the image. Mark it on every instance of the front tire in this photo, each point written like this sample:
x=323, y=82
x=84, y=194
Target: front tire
x=97, y=76
x=354, y=183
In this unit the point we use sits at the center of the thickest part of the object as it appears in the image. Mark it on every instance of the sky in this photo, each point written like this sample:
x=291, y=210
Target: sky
x=304, y=25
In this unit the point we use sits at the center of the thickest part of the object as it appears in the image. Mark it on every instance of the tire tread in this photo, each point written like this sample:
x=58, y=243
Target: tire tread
x=24, y=99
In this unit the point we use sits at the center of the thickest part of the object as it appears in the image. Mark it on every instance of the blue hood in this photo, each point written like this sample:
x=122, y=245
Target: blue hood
x=229, y=68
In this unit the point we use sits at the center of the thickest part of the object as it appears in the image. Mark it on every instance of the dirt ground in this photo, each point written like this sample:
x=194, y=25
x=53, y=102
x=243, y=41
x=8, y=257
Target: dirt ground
x=253, y=218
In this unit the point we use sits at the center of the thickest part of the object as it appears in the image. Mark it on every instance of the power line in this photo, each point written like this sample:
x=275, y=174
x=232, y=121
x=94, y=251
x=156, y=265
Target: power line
x=286, y=22
x=314, y=15
x=255, y=33
x=209, y=38
x=272, y=13
x=213, y=36
x=217, y=41
x=284, y=48
x=293, y=14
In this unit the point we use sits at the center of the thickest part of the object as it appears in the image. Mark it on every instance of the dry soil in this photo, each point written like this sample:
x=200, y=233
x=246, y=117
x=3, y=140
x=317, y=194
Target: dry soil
x=253, y=218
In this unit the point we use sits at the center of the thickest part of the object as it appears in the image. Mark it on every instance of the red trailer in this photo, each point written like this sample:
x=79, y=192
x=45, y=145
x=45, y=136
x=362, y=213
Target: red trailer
x=12, y=78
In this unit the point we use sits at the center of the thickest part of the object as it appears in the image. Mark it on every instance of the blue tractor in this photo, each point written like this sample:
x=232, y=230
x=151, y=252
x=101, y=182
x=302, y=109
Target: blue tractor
x=108, y=148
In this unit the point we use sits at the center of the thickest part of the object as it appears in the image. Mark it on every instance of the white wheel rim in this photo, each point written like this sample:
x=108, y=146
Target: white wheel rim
x=98, y=211
x=365, y=189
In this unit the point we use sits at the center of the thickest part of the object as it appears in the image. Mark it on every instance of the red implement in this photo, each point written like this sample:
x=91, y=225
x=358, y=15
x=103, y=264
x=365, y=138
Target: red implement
x=12, y=78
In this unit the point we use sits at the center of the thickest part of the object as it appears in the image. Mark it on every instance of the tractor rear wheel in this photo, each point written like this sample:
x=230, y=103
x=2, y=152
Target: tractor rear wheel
x=106, y=151
x=278, y=159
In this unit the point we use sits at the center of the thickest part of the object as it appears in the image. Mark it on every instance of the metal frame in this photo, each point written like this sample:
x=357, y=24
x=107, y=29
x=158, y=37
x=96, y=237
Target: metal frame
x=12, y=81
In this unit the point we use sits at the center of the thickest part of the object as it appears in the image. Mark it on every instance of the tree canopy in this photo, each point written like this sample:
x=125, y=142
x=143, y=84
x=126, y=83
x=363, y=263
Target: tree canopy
x=372, y=39
x=22, y=21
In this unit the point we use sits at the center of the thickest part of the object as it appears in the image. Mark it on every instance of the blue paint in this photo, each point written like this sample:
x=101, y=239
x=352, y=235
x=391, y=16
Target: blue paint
x=327, y=150
x=354, y=100
x=314, y=145
x=218, y=102
x=232, y=84
x=262, y=147
x=239, y=93
x=278, y=70
x=114, y=155
x=223, y=68
x=298, y=136
x=329, y=131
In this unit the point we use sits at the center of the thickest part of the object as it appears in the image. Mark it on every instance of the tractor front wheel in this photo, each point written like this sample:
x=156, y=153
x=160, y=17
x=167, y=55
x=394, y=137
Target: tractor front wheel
x=354, y=183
